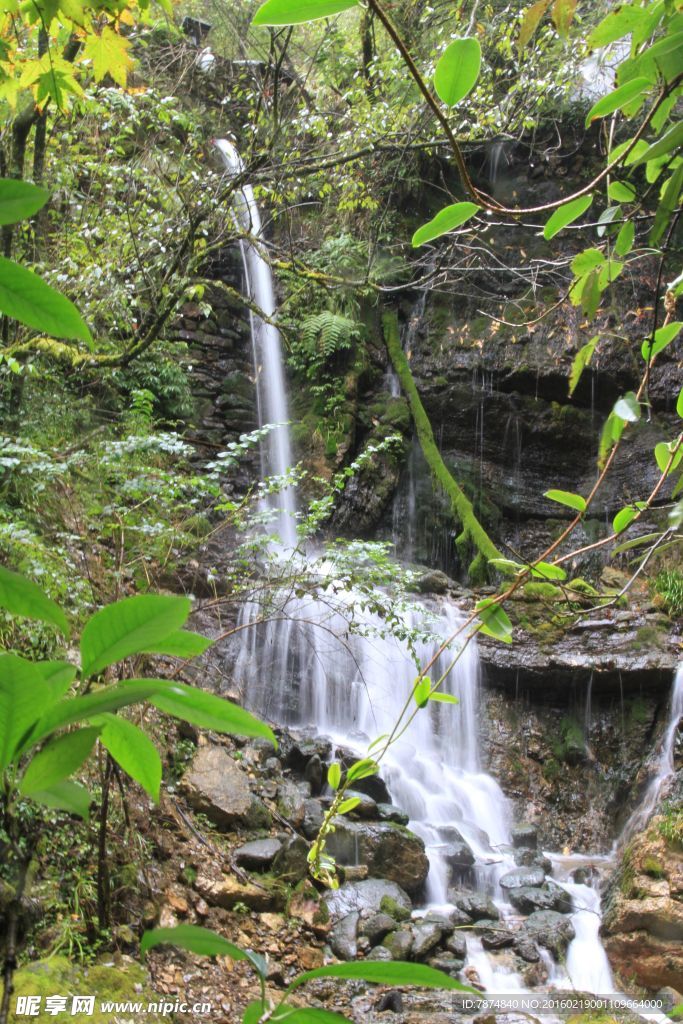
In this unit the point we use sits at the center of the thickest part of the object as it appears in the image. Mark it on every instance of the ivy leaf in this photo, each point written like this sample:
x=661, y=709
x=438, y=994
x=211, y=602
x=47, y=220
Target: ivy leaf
x=457, y=70
x=25, y=297
x=679, y=404
x=294, y=12
x=621, y=191
x=19, y=200
x=617, y=24
x=625, y=238
x=670, y=199
x=446, y=220
x=663, y=453
x=586, y=261
x=566, y=215
x=574, y=501
x=109, y=55
x=624, y=518
x=548, y=571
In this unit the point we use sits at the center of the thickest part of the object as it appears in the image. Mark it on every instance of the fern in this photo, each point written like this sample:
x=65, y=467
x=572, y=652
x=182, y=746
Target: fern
x=323, y=336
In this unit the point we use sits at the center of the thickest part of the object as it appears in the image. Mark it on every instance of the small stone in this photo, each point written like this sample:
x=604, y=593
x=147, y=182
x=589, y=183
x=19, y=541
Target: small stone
x=313, y=818
x=449, y=965
x=549, y=897
x=456, y=945
x=379, y=953
x=258, y=855
x=525, y=836
x=376, y=927
x=518, y=877
x=426, y=936
x=494, y=934
x=343, y=937
x=388, y=812
x=313, y=774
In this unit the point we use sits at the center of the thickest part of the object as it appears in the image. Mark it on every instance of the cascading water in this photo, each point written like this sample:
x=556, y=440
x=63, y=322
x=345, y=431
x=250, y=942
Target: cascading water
x=271, y=393
x=307, y=666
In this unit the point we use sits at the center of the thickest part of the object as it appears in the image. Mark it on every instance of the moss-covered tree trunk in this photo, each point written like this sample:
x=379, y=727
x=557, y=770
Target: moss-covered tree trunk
x=473, y=533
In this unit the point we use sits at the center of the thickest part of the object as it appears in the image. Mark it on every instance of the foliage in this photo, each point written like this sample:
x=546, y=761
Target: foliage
x=669, y=583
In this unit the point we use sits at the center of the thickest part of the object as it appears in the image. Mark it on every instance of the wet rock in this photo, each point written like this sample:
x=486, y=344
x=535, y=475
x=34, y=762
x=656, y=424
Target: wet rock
x=291, y=861
x=313, y=774
x=432, y=582
x=391, y=1001
x=399, y=944
x=457, y=945
x=305, y=905
x=525, y=836
x=390, y=851
x=258, y=855
x=494, y=934
x=375, y=927
x=523, y=877
x=475, y=904
x=290, y=803
x=366, y=808
x=527, y=899
x=379, y=953
x=533, y=858
x=368, y=897
x=313, y=818
x=426, y=936
x=343, y=936
x=458, y=853
x=388, y=812
x=449, y=965
x=215, y=786
x=296, y=751
x=551, y=930
x=527, y=949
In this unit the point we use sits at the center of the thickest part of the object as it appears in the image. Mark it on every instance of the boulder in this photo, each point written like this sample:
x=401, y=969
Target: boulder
x=527, y=949
x=291, y=861
x=549, y=929
x=375, y=927
x=379, y=953
x=343, y=936
x=426, y=936
x=399, y=944
x=388, y=812
x=390, y=851
x=257, y=855
x=214, y=785
x=527, y=899
x=458, y=854
x=523, y=877
x=449, y=965
x=475, y=904
x=313, y=818
x=368, y=897
x=456, y=945
x=227, y=891
x=494, y=934
x=525, y=836
x=290, y=802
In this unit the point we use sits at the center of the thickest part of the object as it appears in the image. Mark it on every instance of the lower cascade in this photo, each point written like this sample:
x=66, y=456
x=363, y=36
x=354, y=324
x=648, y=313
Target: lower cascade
x=326, y=665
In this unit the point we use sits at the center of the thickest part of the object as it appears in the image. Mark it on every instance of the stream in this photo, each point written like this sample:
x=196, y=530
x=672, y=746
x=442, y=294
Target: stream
x=307, y=668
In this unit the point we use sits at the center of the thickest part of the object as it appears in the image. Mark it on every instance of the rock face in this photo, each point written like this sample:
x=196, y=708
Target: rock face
x=215, y=786
x=390, y=851
x=643, y=921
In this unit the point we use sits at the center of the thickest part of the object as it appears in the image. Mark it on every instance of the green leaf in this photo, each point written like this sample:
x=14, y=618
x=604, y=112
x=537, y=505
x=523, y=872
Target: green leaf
x=133, y=750
x=181, y=644
x=621, y=191
x=193, y=938
x=22, y=597
x=446, y=220
x=609, y=273
x=623, y=518
x=628, y=408
x=334, y=775
x=670, y=200
x=348, y=805
x=662, y=337
x=494, y=620
x=563, y=15
x=19, y=200
x=616, y=25
x=581, y=361
x=23, y=697
x=210, y=712
x=294, y=12
x=586, y=261
x=384, y=973
x=59, y=675
x=457, y=70
x=548, y=571
x=635, y=542
x=253, y=1012
x=670, y=141
x=506, y=565
x=530, y=22
x=25, y=297
x=617, y=99
x=109, y=54
x=129, y=627
x=421, y=691
x=679, y=404
x=362, y=769
x=663, y=453
x=566, y=215
x=611, y=432
x=625, y=238
x=606, y=217
x=56, y=761
x=574, y=501
x=307, y=1015
x=65, y=796
x=444, y=698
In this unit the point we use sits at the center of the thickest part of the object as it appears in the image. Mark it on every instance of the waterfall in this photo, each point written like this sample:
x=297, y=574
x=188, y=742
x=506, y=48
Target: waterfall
x=665, y=764
x=271, y=392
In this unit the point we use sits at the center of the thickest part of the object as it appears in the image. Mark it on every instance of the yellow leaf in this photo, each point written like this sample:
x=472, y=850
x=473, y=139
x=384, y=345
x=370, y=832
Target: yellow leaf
x=109, y=55
x=530, y=22
x=9, y=90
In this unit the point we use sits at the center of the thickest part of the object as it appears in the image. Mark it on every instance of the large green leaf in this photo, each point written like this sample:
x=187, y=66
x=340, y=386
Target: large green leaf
x=193, y=938
x=547, y=571
x=457, y=70
x=530, y=21
x=671, y=196
x=662, y=338
x=20, y=199
x=293, y=12
x=59, y=675
x=210, y=712
x=565, y=215
x=65, y=796
x=617, y=24
x=22, y=597
x=133, y=750
x=670, y=141
x=181, y=644
x=568, y=498
x=25, y=297
x=617, y=99
x=23, y=697
x=59, y=759
x=382, y=973
x=494, y=620
x=581, y=361
x=130, y=626
x=306, y=1015
x=448, y=219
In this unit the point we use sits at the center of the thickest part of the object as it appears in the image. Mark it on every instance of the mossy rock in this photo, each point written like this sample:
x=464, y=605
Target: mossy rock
x=122, y=981
x=539, y=591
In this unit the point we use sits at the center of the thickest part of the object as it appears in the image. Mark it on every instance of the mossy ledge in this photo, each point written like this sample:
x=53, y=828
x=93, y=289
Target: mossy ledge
x=473, y=533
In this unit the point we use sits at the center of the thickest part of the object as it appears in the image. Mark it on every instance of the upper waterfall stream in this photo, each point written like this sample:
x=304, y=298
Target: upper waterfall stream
x=306, y=667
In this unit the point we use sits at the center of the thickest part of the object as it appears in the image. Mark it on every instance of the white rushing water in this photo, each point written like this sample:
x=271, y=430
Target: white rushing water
x=306, y=666
x=271, y=391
